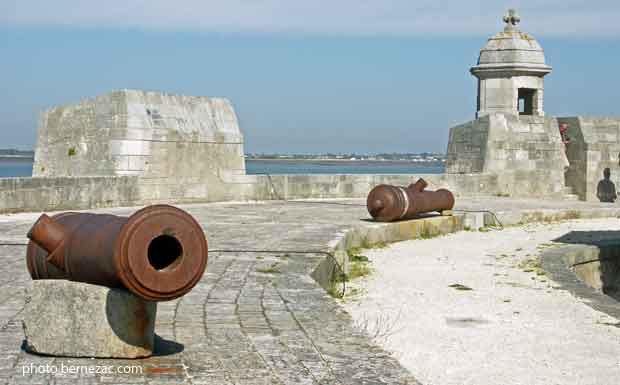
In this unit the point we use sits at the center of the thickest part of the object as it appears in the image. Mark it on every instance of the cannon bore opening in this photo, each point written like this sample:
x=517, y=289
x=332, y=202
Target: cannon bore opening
x=164, y=252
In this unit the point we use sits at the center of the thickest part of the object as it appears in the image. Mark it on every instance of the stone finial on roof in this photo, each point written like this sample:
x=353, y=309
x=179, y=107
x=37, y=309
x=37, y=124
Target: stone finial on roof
x=511, y=19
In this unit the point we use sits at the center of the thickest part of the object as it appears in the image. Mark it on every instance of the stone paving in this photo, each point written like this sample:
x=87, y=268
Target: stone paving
x=255, y=318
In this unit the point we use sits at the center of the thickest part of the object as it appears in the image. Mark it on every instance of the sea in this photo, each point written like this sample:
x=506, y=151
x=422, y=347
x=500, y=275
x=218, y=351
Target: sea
x=12, y=168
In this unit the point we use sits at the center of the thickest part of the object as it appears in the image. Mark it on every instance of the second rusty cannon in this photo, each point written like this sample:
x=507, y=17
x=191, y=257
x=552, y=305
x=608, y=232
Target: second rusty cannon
x=159, y=253
x=387, y=203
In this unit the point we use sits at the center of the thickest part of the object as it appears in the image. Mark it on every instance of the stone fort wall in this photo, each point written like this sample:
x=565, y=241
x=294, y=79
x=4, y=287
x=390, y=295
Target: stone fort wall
x=594, y=145
x=70, y=193
x=526, y=153
x=149, y=134
x=136, y=148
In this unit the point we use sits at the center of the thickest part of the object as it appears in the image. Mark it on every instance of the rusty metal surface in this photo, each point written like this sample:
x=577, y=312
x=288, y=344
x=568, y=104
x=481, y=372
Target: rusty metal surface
x=388, y=203
x=159, y=253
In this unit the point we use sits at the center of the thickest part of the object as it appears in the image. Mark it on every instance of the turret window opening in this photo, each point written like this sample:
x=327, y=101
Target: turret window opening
x=525, y=101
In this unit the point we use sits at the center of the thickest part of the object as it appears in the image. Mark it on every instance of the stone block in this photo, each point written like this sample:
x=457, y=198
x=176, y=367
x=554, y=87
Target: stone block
x=74, y=319
x=521, y=155
x=137, y=162
x=130, y=147
x=473, y=221
x=121, y=162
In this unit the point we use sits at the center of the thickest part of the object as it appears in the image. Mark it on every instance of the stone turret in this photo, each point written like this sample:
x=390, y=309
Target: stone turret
x=510, y=72
x=511, y=138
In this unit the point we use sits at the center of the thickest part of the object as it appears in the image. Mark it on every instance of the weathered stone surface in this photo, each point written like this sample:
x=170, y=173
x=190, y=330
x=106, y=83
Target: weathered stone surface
x=131, y=132
x=596, y=282
x=254, y=318
x=64, y=193
x=594, y=146
x=526, y=153
x=511, y=63
x=73, y=319
x=511, y=138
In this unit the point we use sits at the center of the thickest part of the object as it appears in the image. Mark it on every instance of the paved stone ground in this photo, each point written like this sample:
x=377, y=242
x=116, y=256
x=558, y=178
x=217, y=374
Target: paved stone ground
x=253, y=319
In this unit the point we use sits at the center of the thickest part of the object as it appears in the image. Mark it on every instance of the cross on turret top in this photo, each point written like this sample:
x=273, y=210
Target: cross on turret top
x=511, y=19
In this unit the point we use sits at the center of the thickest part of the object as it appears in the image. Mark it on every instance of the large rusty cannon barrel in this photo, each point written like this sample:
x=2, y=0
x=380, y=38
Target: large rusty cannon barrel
x=388, y=203
x=159, y=253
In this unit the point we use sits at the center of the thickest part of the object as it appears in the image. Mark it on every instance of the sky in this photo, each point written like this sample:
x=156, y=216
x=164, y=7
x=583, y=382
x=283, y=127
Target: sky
x=363, y=76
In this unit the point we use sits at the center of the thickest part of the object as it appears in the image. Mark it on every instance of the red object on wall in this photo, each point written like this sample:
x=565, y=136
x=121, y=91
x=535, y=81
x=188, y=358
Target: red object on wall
x=563, y=127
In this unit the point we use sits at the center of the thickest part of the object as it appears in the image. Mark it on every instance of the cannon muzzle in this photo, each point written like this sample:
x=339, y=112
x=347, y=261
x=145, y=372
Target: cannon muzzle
x=159, y=253
x=388, y=203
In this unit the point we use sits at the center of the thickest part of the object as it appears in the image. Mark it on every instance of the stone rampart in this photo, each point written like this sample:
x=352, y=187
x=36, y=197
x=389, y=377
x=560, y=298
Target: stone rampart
x=141, y=133
x=69, y=193
x=524, y=152
x=594, y=145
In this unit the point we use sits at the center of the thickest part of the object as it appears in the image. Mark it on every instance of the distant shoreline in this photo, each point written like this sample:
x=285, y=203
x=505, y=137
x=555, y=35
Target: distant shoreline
x=22, y=158
x=20, y=166
x=344, y=160
x=16, y=159
x=26, y=159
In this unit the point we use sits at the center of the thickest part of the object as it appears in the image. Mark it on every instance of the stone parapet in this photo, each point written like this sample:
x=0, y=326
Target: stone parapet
x=594, y=146
x=64, y=193
x=130, y=132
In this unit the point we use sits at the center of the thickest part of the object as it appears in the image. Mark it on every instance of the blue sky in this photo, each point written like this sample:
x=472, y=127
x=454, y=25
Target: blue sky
x=304, y=76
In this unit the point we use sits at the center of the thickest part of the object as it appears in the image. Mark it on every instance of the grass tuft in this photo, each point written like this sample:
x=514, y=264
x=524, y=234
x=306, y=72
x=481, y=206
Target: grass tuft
x=358, y=269
x=273, y=269
x=532, y=265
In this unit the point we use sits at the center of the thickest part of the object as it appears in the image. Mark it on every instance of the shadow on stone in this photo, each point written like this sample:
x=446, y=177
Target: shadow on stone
x=595, y=238
x=598, y=262
x=131, y=318
x=418, y=216
x=24, y=348
x=165, y=347
x=162, y=348
x=606, y=189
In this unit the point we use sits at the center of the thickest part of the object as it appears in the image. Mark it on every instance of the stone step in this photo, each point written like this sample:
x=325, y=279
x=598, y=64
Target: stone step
x=571, y=197
x=568, y=190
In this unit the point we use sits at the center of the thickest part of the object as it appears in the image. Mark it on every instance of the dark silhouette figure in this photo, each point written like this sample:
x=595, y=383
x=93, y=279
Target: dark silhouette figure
x=606, y=189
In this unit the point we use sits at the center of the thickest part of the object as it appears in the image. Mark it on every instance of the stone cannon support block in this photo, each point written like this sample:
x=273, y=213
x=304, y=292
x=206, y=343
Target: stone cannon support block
x=64, y=318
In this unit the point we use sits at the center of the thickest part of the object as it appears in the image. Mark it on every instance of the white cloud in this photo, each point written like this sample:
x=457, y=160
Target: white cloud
x=416, y=18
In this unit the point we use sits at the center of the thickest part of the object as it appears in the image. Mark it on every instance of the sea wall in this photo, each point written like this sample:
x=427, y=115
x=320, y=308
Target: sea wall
x=70, y=193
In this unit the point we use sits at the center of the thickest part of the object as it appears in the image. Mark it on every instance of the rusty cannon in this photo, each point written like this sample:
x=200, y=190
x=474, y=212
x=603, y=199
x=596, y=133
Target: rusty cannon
x=159, y=253
x=388, y=203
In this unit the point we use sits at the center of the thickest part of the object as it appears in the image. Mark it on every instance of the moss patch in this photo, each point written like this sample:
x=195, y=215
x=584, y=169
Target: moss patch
x=429, y=232
x=532, y=265
x=273, y=269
